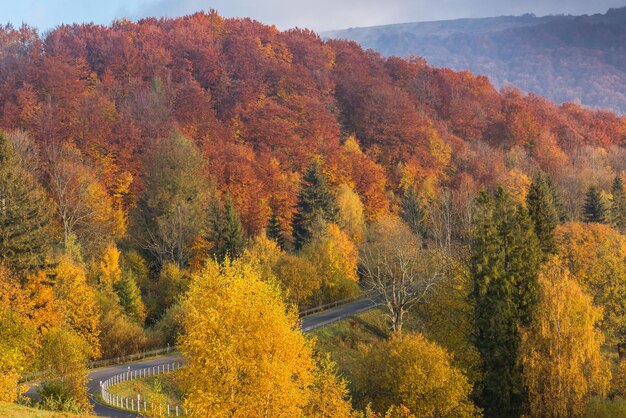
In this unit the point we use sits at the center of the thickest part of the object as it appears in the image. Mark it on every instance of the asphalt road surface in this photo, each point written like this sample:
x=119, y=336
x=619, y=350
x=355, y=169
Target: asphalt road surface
x=97, y=375
x=335, y=314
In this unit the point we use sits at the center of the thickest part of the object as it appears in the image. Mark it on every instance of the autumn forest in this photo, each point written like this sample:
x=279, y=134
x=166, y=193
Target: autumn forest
x=204, y=183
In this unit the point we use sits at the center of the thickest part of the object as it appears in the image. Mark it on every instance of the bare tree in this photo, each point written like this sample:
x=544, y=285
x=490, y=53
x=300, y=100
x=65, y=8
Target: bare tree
x=168, y=236
x=442, y=222
x=84, y=207
x=171, y=211
x=396, y=268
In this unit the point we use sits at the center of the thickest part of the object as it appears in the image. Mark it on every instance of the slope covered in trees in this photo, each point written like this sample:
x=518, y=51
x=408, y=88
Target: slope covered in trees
x=564, y=58
x=260, y=103
x=166, y=175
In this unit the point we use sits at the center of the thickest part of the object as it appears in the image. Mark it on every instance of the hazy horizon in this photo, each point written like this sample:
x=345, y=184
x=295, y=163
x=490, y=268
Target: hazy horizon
x=288, y=14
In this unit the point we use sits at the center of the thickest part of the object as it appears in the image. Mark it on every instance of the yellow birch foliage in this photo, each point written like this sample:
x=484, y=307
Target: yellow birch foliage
x=77, y=302
x=64, y=354
x=351, y=213
x=265, y=253
x=411, y=371
x=298, y=277
x=595, y=254
x=110, y=271
x=335, y=258
x=42, y=305
x=560, y=353
x=517, y=183
x=17, y=336
x=330, y=397
x=247, y=358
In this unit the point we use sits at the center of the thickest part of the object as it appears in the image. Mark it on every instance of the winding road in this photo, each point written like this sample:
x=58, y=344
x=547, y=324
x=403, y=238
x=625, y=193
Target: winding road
x=309, y=323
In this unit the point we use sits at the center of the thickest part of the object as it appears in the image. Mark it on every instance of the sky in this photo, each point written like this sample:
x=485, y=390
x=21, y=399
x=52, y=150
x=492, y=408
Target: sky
x=319, y=15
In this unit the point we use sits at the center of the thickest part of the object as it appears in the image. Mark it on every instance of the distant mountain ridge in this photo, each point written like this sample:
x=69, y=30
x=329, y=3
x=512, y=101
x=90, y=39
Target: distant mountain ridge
x=579, y=59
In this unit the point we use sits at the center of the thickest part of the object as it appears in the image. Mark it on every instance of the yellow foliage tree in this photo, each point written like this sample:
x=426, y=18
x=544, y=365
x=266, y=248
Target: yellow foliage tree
x=595, y=254
x=351, y=213
x=42, y=305
x=447, y=318
x=18, y=339
x=64, y=356
x=329, y=396
x=77, y=302
x=247, y=356
x=416, y=373
x=335, y=258
x=516, y=183
x=110, y=272
x=247, y=359
x=560, y=353
x=265, y=253
x=298, y=277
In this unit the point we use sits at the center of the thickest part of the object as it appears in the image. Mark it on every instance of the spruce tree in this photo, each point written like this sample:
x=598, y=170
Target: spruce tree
x=412, y=213
x=593, y=209
x=274, y=230
x=542, y=212
x=315, y=202
x=556, y=200
x=618, y=206
x=130, y=297
x=226, y=231
x=504, y=265
x=25, y=235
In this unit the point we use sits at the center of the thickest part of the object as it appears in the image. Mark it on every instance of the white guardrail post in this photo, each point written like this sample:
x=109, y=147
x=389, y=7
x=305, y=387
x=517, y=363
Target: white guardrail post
x=136, y=405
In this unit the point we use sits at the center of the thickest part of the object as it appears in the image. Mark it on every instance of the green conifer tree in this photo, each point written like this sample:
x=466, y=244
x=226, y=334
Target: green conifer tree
x=542, y=212
x=593, y=209
x=130, y=296
x=226, y=232
x=556, y=200
x=504, y=265
x=275, y=231
x=618, y=205
x=315, y=202
x=25, y=234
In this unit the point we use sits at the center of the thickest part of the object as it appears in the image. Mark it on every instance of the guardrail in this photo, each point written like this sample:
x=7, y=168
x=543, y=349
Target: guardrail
x=107, y=362
x=166, y=350
x=330, y=305
x=138, y=404
x=130, y=357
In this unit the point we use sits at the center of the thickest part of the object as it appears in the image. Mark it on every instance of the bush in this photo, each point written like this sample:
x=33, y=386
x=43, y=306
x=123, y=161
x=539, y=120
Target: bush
x=58, y=397
x=64, y=355
x=121, y=336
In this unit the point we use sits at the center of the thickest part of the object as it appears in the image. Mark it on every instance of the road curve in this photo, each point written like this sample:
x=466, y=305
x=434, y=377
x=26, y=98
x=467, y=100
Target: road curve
x=96, y=376
x=337, y=313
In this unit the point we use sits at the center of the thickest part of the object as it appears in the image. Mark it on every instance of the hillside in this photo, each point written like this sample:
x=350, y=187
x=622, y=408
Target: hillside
x=578, y=59
x=202, y=181
x=261, y=103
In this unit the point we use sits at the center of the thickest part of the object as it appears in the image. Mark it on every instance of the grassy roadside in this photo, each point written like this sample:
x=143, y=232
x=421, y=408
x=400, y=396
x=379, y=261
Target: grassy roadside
x=345, y=339
x=163, y=389
x=10, y=410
